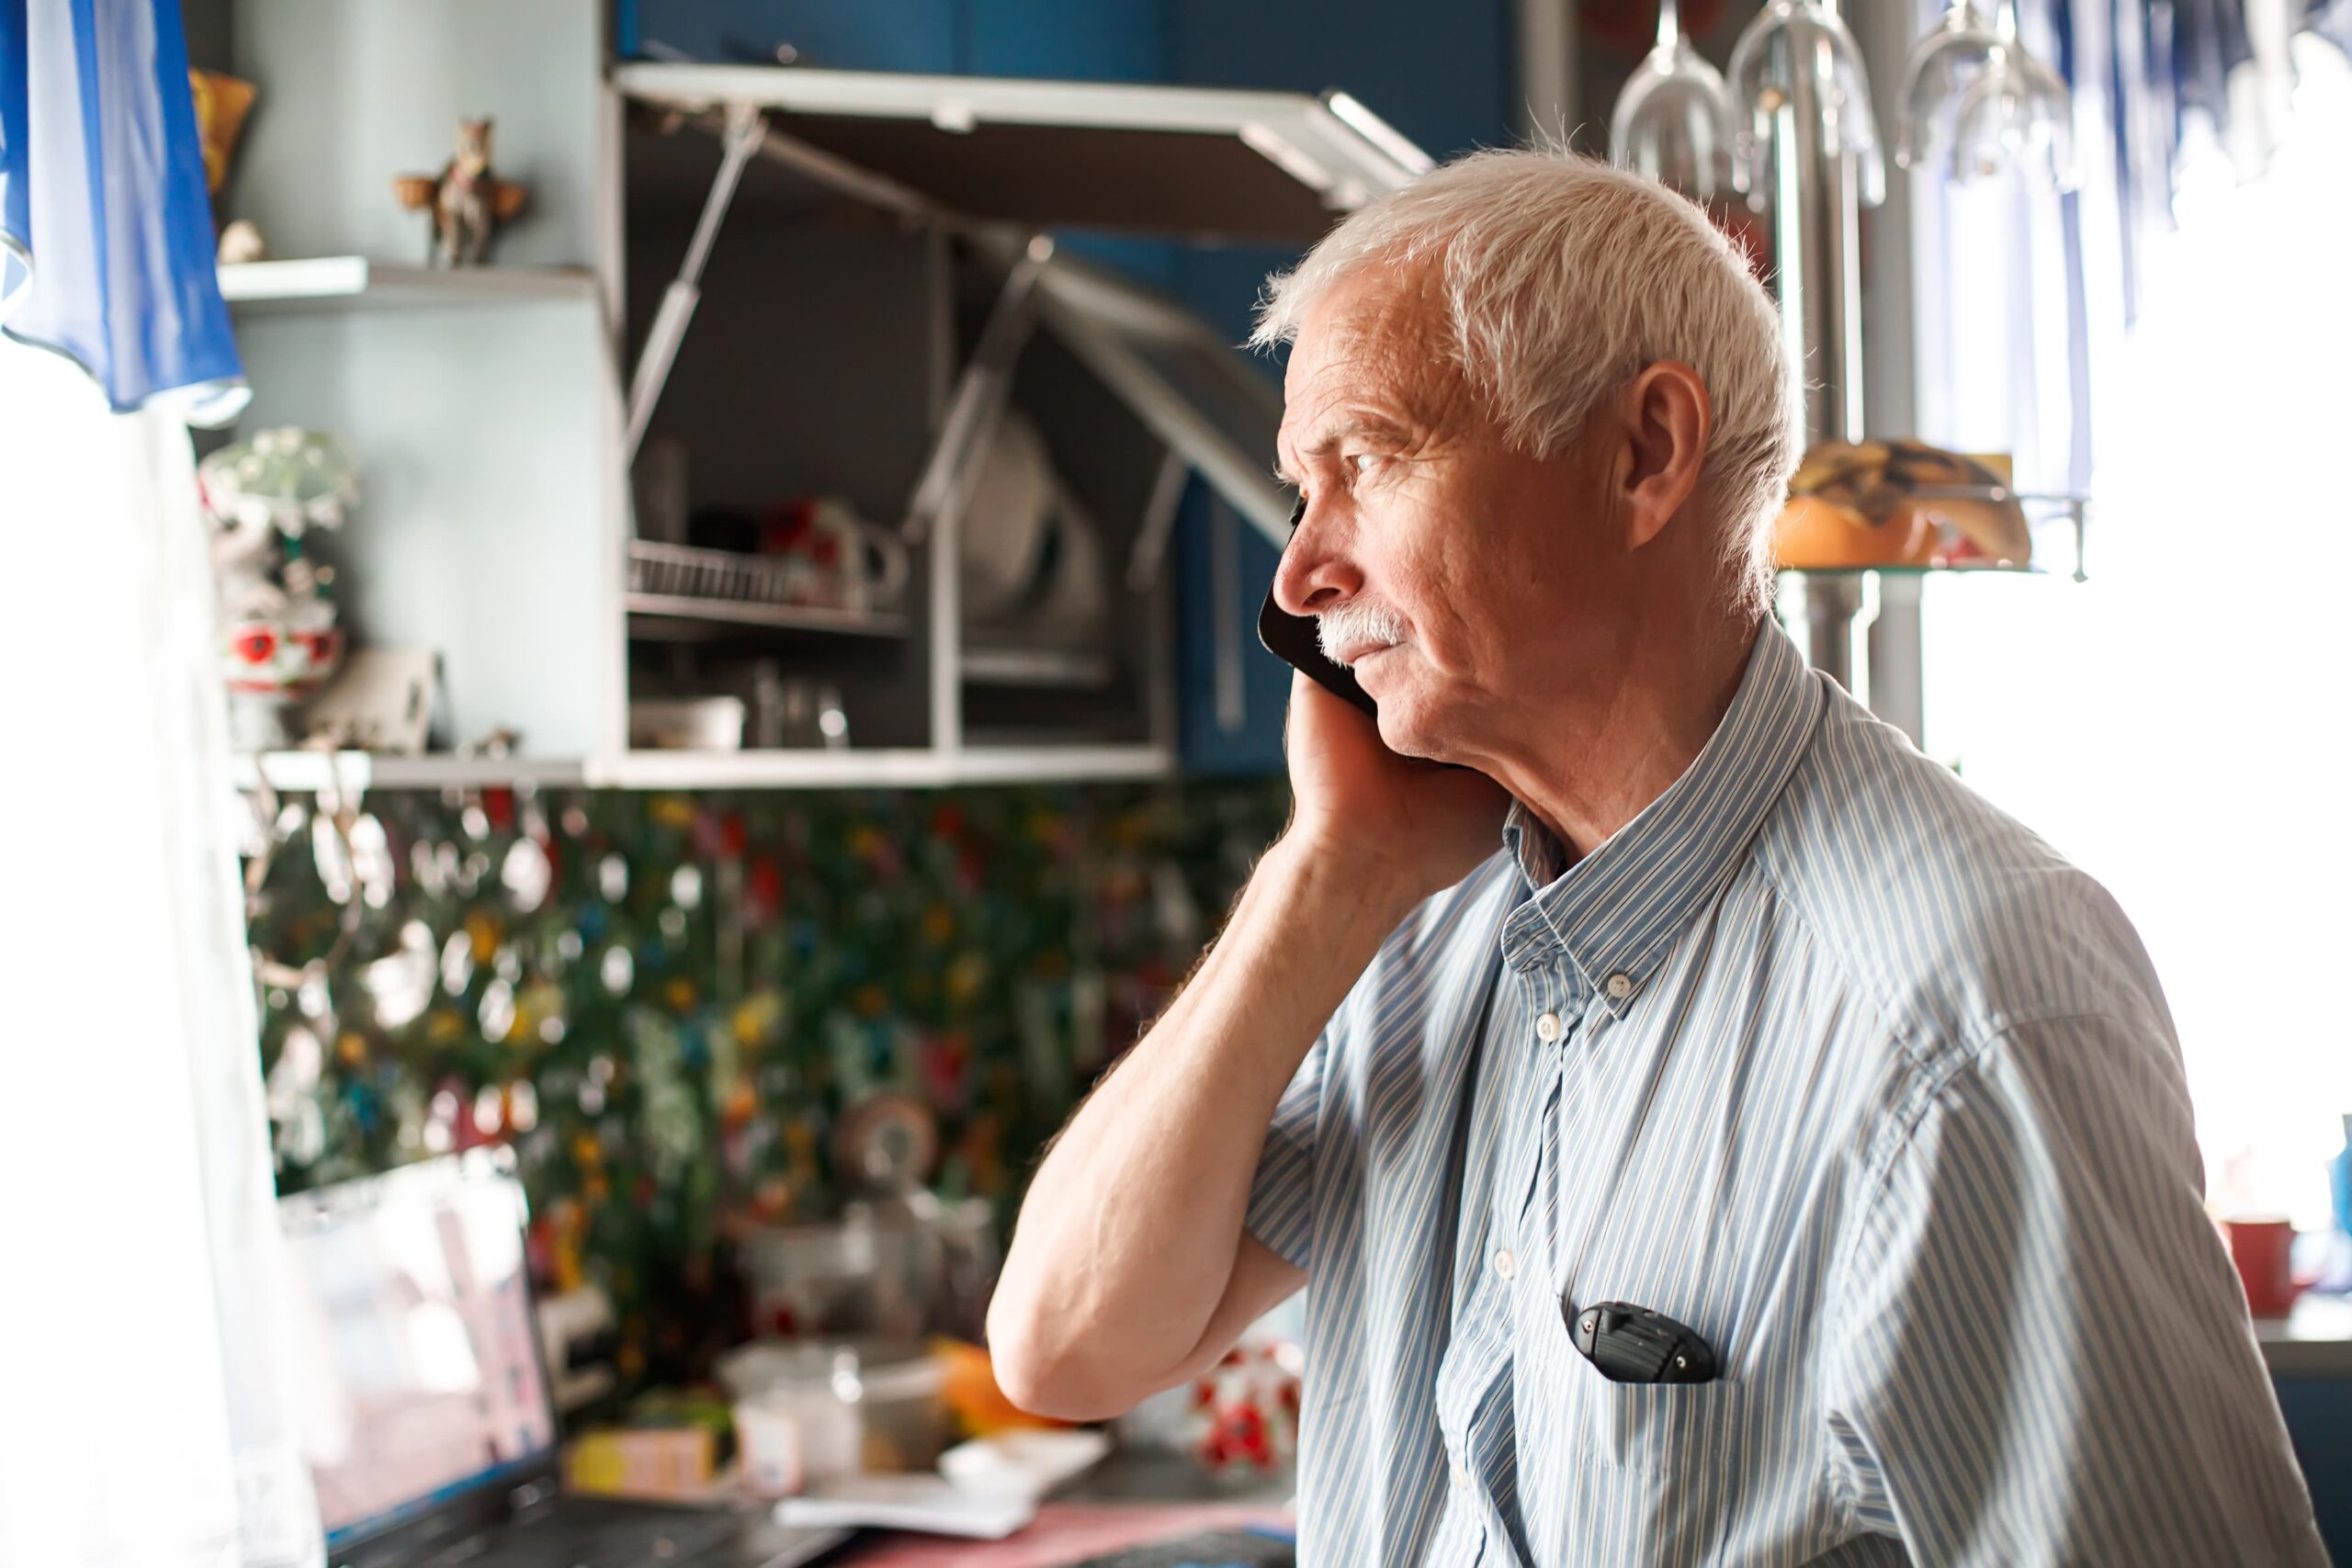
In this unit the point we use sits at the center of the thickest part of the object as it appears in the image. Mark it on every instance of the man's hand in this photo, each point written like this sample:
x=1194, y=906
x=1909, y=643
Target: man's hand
x=1131, y=1268
x=1422, y=826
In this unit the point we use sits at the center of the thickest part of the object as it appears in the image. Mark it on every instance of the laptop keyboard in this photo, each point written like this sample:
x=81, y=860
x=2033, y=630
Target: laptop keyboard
x=583, y=1533
x=632, y=1537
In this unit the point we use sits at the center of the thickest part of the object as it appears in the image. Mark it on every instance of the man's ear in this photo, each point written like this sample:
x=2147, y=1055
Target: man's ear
x=1668, y=420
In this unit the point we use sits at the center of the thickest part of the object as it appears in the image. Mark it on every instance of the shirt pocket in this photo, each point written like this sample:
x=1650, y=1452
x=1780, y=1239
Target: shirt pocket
x=1637, y=1473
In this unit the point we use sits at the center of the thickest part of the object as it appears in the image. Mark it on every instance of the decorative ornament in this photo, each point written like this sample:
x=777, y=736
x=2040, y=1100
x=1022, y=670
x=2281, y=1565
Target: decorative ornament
x=222, y=105
x=279, y=640
x=886, y=1143
x=467, y=202
x=240, y=241
x=288, y=480
x=1244, y=1411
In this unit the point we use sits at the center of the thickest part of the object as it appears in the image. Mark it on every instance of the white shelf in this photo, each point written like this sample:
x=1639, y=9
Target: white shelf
x=2312, y=1341
x=316, y=283
x=1051, y=668
x=879, y=769
x=306, y=772
x=790, y=768
x=1049, y=764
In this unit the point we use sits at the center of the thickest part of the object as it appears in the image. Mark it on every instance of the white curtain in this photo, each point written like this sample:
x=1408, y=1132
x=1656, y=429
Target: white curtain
x=146, y=1420
x=2176, y=724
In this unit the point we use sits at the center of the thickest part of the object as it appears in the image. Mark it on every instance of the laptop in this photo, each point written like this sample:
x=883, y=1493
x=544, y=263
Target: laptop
x=427, y=1414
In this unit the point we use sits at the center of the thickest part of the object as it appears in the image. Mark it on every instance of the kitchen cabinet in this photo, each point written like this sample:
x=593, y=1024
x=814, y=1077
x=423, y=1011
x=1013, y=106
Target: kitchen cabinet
x=801, y=280
x=871, y=35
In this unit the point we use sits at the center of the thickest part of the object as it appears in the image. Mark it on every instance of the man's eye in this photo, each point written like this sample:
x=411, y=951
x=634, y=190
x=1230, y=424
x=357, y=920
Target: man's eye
x=1364, y=461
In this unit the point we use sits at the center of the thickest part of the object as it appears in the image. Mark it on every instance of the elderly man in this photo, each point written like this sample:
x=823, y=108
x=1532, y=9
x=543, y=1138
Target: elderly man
x=1760, y=1047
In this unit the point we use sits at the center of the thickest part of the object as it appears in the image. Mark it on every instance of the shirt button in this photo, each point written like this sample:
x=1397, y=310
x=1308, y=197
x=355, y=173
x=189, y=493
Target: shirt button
x=1547, y=1028
x=1620, y=986
x=1506, y=1264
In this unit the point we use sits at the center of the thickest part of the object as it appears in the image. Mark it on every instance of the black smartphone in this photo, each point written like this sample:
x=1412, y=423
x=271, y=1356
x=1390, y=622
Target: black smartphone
x=1293, y=639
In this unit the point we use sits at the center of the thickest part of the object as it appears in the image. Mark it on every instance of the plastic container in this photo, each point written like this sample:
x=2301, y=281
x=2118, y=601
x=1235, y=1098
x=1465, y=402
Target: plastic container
x=839, y=1406
x=799, y=1416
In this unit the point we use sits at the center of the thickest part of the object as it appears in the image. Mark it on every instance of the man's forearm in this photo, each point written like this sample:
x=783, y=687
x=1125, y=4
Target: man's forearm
x=1128, y=1238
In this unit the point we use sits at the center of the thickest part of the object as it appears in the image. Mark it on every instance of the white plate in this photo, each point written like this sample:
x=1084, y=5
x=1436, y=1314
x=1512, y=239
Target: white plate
x=1024, y=1463
x=908, y=1502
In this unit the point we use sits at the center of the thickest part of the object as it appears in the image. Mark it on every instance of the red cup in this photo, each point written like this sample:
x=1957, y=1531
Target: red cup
x=2261, y=1249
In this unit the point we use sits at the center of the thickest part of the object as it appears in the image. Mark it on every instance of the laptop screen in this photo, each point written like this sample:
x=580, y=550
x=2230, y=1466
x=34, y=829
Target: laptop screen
x=412, y=1337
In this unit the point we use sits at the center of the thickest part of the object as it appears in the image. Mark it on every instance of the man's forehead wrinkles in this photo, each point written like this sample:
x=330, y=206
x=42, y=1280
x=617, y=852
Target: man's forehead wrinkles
x=1321, y=433
x=1363, y=373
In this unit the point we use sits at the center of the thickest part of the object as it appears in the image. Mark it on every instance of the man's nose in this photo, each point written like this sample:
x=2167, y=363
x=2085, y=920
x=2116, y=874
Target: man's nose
x=1314, y=575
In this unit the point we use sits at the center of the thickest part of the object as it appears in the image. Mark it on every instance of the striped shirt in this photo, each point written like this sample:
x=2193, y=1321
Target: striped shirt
x=1825, y=1058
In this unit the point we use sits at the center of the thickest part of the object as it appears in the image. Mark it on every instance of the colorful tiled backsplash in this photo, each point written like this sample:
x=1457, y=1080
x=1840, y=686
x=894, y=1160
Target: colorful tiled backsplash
x=666, y=1002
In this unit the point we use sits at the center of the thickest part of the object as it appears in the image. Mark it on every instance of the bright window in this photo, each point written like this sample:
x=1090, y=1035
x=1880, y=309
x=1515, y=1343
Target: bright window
x=2178, y=724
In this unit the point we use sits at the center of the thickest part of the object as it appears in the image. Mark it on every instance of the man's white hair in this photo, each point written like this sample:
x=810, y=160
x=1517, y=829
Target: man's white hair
x=1564, y=277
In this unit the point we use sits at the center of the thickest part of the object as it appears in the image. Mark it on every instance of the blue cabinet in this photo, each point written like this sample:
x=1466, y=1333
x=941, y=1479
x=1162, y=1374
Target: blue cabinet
x=1441, y=72
x=1068, y=40
x=2318, y=1411
x=1081, y=41
x=920, y=36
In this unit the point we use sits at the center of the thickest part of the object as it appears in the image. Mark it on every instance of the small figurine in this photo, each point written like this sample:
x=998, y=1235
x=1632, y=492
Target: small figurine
x=242, y=242
x=466, y=200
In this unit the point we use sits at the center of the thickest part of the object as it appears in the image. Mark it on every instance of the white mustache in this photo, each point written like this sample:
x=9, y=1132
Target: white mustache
x=1355, y=624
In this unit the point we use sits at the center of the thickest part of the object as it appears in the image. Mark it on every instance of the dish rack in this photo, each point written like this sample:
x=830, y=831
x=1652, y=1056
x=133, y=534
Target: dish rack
x=688, y=572
x=686, y=586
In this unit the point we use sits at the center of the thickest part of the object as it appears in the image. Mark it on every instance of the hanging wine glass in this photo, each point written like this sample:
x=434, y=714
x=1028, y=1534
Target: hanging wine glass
x=1972, y=87
x=1673, y=121
x=1944, y=65
x=1797, y=55
x=2017, y=115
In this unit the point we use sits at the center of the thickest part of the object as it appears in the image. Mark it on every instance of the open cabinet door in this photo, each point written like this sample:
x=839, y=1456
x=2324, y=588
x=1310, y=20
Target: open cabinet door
x=1179, y=163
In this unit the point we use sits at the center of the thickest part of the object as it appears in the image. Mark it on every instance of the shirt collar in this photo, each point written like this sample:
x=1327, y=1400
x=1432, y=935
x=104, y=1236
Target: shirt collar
x=1614, y=912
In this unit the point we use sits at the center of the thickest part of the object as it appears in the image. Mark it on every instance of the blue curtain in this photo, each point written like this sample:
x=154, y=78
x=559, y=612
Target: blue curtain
x=106, y=230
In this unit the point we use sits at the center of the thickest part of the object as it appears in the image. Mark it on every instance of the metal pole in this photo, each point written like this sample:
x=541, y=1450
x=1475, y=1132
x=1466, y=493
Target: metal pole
x=1817, y=272
x=745, y=126
x=1896, y=671
x=1547, y=70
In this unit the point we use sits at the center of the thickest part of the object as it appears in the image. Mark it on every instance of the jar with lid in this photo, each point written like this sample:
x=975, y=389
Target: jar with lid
x=799, y=1414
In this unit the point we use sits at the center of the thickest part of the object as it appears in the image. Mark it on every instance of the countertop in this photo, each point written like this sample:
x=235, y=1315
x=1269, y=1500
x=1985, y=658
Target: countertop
x=1133, y=1498
x=2312, y=1341
x=1148, y=1475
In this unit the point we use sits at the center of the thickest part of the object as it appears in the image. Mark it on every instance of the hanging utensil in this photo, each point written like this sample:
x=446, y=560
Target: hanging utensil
x=2017, y=115
x=1797, y=74
x=1943, y=65
x=1973, y=89
x=1673, y=121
